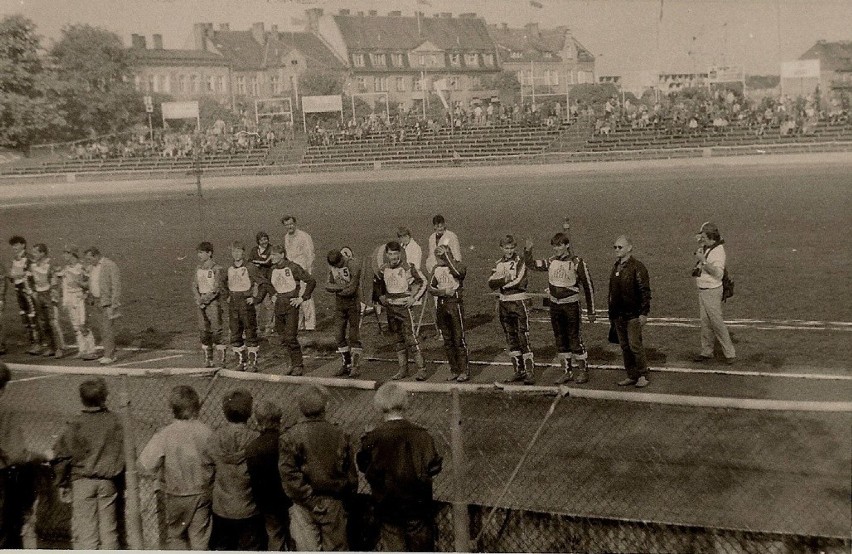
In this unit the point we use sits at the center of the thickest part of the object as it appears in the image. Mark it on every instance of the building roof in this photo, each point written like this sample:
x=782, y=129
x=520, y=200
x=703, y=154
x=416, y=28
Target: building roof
x=388, y=33
x=833, y=56
x=245, y=53
x=160, y=56
x=534, y=43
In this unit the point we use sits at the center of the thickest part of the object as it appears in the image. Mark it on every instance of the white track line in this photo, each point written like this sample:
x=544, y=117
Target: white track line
x=36, y=378
x=149, y=360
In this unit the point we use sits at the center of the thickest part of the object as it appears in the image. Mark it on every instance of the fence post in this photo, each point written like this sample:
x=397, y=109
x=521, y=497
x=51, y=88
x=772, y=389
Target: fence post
x=133, y=511
x=461, y=517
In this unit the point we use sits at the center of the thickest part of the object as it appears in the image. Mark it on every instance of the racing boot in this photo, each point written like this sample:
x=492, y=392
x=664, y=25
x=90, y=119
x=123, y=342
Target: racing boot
x=241, y=357
x=567, y=371
x=461, y=358
x=421, y=366
x=253, y=352
x=518, y=374
x=453, y=361
x=356, y=362
x=346, y=368
x=402, y=360
x=208, y=356
x=220, y=355
x=582, y=372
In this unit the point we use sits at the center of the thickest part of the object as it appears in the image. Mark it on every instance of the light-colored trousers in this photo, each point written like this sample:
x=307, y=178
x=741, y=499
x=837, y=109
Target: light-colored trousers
x=94, y=525
x=712, y=324
x=313, y=532
x=76, y=310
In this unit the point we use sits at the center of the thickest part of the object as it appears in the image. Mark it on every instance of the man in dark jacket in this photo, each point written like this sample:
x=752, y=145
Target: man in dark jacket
x=318, y=474
x=262, y=462
x=399, y=460
x=629, y=305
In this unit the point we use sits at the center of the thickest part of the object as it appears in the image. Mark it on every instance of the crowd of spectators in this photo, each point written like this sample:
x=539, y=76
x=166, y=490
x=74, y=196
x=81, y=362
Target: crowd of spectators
x=702, y=111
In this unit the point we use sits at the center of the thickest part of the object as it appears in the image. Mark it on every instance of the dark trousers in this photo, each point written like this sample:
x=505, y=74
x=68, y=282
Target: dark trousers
x=287, y=326
x=347, y=316
x=449, y=316
x=413, y=535
x=238, y=534
x=565, y=319
x=401, y=326
x=26, y=307
x=242, y=318
x=514, y=318
x=44, y=314
x=11, y=512
x=629, y=332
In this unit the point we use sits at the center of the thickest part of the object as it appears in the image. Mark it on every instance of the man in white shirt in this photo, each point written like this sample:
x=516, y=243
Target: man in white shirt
x=413, y=252
x=300, y=249
x=441, y=237
x=709, y=268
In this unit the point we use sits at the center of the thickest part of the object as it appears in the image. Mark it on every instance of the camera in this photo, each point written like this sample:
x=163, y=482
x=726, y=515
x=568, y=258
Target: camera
x=696, y=271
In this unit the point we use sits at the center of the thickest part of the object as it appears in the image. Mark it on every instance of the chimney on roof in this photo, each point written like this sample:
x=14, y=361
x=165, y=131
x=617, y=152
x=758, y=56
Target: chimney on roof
x=344, y=11
x=468, y=15
x=395, y=13
x=532, y=29
x=314, y=15
x=158, y=42
x=373, y=13
x=200, y=33
x=258, y=33
x=137, y=41
x=224, y=26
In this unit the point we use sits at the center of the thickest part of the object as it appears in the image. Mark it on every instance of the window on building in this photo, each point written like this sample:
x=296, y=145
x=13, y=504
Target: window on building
x=361, y=83
x=241, y=85
x=167, y=84
x=454, y=83
x=400, y=84
x=515, y=55
x=255, y=86
x=211, y=83
x=276, y=84
x=418, y=84
x=378, y=60
x=396, y=59
x=220, y=84
x=381, y=84
x=182, y=84
x=475, y=83
x=551, y=77
x=358, y=60
x=471, y=59
x=548, y=55
x=194, y=85
x=432, y=60
x=150, y=84
x=422, y=59
x=137, y=82
x=488, y=59
x=455, y=59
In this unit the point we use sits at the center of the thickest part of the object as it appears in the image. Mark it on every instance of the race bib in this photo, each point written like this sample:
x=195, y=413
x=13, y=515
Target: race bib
x=283, y=280
x=238, y=279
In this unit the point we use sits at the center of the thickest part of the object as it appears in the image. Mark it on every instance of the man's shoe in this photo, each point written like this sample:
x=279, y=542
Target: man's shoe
x=48, y=353
x=106, y=361
x=463, y=377
x=421, y=375
x=89, y=357
x=517, y=377
x=298, y=371
x=566, y=377
x=702, y=359
x=60, y=353
x=529, y=379
x=627, y=382
x=353, y=373
x=34, y=350
x=642, y=382
x=453, y=377
x=344, y=371
x=730, y=361
x=401, y=374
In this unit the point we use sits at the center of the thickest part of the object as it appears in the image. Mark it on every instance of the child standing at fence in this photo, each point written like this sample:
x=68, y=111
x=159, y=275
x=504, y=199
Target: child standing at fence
x=90, y=454
x=237, y=523
x=208, y=287
x=177, y=455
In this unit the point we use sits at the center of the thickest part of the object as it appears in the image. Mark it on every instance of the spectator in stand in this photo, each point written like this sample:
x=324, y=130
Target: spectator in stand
x=709, y=270
x=628, y=307
x=177, y=456
x=399, y=461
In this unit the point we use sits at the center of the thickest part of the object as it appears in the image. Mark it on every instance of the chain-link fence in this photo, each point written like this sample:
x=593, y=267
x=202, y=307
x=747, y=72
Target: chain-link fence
x=535, y=471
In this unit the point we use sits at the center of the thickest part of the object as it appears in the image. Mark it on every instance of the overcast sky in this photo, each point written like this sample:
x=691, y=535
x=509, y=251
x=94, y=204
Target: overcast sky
x=622, y=33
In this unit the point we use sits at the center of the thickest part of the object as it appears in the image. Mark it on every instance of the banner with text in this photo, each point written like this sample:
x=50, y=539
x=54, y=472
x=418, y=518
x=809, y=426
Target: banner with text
x=315, y=104
x=180, y=110
x=800, y=69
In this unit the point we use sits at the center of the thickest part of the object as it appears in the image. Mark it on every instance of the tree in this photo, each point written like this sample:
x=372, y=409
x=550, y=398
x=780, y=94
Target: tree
x=94, y=70
x=507, y=86
x=320, y=83
x=28, y=113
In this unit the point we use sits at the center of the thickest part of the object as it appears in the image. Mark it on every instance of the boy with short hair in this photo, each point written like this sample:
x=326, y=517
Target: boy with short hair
x=243, y=285
x=19, y=275
x=45, y=299
x=565, y=274
x=446, y=285
x=74, y=292
x=90, y=453
x=208, y=288
x=344, y=279
x=177, y=454
x=400, y=285
x=509, y=279
x=237, y=524
x=287, y=279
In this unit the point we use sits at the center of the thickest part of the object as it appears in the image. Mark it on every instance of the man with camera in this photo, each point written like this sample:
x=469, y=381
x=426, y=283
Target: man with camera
x=708, y=272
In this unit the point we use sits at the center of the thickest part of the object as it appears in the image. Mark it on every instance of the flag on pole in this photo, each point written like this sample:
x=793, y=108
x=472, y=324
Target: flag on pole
x=661, y=9
x=536, y=4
